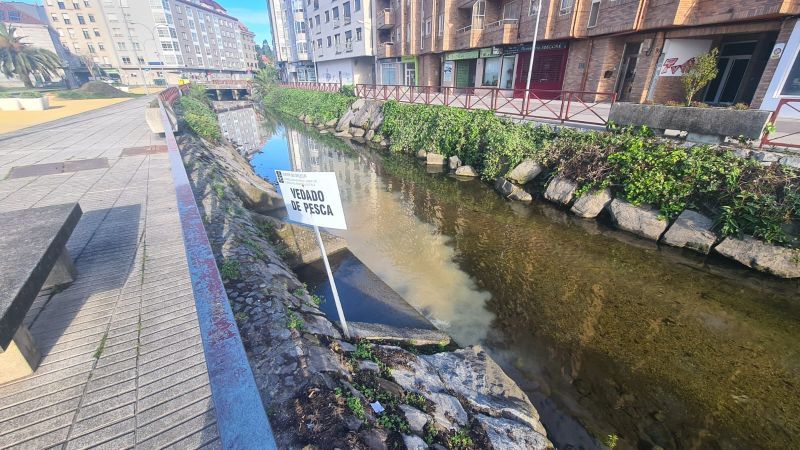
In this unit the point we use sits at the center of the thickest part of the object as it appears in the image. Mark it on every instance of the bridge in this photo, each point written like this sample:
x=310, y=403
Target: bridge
x=223, y=90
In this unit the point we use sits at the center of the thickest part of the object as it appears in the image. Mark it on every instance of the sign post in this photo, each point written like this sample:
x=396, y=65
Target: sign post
x=312, y=198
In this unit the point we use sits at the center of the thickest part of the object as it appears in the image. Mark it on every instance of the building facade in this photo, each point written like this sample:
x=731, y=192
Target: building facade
x=291, y=38
x=153, y=42
x=341, y=40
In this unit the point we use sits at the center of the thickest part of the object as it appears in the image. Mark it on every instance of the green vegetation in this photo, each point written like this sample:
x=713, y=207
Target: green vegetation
x=293, y=322
x=611, y=440
x=416, y=400
x=101, y=346
x=742, y=196
x=95, y=89
x=24, y=61
x=393, y=422
x=29, y=94
x=230, y=270
x=355, y=405
x=459, y=440
x=198, y=114
x=348, y=90
x=321, y=106
x=700, y=73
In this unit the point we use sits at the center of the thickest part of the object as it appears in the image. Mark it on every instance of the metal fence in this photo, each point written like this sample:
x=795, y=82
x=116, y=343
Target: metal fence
x=170, y=94
x=785, y=122
x=313, y=86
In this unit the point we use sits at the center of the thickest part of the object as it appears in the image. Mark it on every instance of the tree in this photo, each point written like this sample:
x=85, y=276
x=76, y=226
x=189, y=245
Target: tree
x=701, y=72
x=24, y=61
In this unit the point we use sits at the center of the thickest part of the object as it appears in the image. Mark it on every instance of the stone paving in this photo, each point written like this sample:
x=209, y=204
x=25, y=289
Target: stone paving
x=122, y=358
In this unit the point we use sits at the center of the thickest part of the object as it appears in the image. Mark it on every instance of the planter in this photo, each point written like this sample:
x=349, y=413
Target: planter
x=34, y=104
x=704, y=125
x=9, y=104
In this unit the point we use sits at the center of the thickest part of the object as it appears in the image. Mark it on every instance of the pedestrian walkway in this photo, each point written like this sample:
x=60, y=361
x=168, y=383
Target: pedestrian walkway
x=123, y=362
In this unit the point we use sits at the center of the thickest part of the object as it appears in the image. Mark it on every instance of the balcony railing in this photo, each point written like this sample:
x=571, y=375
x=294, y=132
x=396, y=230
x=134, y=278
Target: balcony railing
x=347, y=20
x=387, y=50
x=502, y=23
x=348, y=46
x=386, y=19
x=336, y=23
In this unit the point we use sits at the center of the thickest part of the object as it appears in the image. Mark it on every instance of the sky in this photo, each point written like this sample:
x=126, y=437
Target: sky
x=252, y=13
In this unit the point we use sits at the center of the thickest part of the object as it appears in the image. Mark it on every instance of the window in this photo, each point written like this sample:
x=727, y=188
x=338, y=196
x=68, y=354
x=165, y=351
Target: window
x=319, y=43
x=91, y=18
x=299, y=27
x=54, y=17
x=792, y=84
x=327, y=17
x=316, y=5
x=65, y=16
x=140, y=59
x=86, y=3
x=302, y=48
x=120, y=45
x=593, y=13
x=81, y=20
x=329, y=41
x=126, y=60
x=96, y=32
x=358, y=34
x=90, y=47
x=75, y=5
x=86, y=34
x=137, y=46
x=348, y=36
x=13, y=16
x=566, y=6
x=427, y=27
x=440, y=25
x=408, y=33
x=511, y=10
x=316, y=19
x=346, y=12
x=492, y=75
x=357, y=5
x=61, y=5
x=101, y=46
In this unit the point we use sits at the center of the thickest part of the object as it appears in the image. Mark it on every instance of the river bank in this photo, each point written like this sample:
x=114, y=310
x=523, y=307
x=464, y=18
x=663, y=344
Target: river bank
x=318, y=387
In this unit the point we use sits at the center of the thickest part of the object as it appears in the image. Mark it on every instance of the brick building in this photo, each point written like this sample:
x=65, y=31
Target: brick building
x=636, y=49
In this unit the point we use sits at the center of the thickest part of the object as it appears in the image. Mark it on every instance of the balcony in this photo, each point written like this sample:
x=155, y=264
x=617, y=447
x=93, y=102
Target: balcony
x=468, y=37
x=387, y=50
x=336, y=22
x=348, y=46
x=500, y=32
x=386, y=19
x=347, y=20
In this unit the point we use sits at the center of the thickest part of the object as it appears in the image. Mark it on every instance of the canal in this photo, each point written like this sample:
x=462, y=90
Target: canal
x=608, y=334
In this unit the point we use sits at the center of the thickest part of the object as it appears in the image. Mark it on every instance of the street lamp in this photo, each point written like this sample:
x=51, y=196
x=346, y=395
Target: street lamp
x=533, y=51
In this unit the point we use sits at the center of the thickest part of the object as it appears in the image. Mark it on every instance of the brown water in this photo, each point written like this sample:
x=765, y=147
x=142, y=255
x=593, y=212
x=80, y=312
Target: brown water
x=608, y=334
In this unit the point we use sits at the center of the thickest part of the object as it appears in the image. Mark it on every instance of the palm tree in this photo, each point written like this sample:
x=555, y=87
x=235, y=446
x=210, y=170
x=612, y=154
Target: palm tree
x=24, y=61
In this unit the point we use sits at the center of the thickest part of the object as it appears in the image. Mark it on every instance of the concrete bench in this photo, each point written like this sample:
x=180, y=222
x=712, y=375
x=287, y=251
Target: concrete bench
x=33, y=256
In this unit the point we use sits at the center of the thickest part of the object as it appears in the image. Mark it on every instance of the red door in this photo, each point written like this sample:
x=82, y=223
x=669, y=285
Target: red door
x=547, y=77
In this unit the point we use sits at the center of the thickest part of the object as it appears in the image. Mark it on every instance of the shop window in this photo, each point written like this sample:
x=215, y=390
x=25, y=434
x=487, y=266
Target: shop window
x=792, y=84
x=498, y=72
x=593, y=13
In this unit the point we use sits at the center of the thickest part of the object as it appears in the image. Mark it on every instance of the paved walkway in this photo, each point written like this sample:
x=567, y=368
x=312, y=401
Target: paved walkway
x=123, y=362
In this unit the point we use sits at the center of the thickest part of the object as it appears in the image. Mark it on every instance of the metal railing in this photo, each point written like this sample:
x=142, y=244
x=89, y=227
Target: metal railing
x=784, y=137
x=170, y=94
x=558, y=106
x=313, y=86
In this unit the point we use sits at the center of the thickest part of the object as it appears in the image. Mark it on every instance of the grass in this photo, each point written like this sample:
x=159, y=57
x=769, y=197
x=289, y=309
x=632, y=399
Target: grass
x=101, y=346
x=230, y=270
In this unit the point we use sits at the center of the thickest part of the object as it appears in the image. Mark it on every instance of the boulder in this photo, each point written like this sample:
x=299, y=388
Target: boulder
x=434, y=159
x=766, y=157
x=365, y=115
x=511, y=191
x=374, y=438
x=308, y=120
x=466, y=171
x=377, y=120
x=414, y=442
x=416, y=419
x=370, y=135
x=454, y=162
x=417, y=375
x=561, y=190
x=510, y=435
x=319, y=325
x=422, y=154
x=524, y=172
x=257, y=194
x=358, y=104
x=590, y=204
x=691, y=230
x=473, y=374
x=448, y=412
x=643, y=220
x=357, y=132
x=344, y=121
x=331, y=123
x=779, y=261
x=343, y=134
x=791, y=161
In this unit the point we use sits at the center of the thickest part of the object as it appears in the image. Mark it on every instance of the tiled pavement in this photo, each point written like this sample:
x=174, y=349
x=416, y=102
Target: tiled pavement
x=123, y=362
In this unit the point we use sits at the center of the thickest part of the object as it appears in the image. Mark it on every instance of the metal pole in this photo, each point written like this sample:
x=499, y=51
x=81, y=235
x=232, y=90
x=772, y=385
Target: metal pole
x=333, y=284
x=530, y=63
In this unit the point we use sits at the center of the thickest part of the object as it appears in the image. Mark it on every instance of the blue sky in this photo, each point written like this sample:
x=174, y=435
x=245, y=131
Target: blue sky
x=252, y=13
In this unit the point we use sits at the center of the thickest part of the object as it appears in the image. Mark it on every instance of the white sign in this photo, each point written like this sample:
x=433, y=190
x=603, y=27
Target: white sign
x=777, y=51
x=312, y=198
x=447, y=71
x=679, y=55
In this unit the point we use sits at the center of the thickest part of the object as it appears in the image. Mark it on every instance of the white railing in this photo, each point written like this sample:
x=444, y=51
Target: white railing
x=464, y=29
x=335, y=23
x=501, y=23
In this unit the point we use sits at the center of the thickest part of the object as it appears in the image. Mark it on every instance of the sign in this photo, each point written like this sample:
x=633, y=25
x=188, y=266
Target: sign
x=525, y=48
x=312, y=198
x=408, y=59
x=488, y=52
x=679, y=55
x=777, y=51
x=466, y=54
x=447, y=71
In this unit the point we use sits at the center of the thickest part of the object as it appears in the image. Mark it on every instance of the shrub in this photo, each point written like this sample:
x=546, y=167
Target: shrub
x=700, y=73
x=348, y=90
x=200, y=118
x=322, y=106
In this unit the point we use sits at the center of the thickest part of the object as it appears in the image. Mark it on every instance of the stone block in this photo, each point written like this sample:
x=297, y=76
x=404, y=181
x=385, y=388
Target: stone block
x=511, y=191
x=691, y=230
x=510, y=435
x=434, y=159
x=643, y=221
x=454, y=162
x=754, y=253
x=370, y=135
x=592, y=203
x=466, y=171
x=21, y=358
x=422, y=154
x=357, y=132
x=560, y=190
x=524, y=172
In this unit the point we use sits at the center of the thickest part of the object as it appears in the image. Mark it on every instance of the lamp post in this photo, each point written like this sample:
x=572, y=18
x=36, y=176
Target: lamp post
x=533, y=51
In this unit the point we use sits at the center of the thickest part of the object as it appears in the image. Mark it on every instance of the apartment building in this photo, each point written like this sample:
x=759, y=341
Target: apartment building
x=154, y=42
x=292, y=42
x=341, y=40
x=636, y=49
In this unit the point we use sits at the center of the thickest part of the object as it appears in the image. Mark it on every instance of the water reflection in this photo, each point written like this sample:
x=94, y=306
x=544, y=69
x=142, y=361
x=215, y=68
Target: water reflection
x=661, y=349
x=241, y=128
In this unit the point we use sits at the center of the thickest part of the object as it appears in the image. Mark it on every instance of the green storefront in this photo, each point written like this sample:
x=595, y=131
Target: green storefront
x=462, y=65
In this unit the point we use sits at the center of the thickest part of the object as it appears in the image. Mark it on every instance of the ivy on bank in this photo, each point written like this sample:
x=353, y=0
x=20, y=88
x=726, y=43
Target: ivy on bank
x=321, y=106
x=199, y=116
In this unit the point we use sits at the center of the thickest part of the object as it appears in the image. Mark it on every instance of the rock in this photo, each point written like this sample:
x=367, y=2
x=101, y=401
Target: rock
x=384, y=143
x=590, y=204
x=472, y=373
x=691, y=230
x=369, y=365
x=525, y=172
x=466, y=171
x=434, y=159
x=391, y=387
x=414, y=442
x=343, y=134
x=382, y=332
x=643, y=221
x=358, y=104
x=377, y=120
x=766, y=157
x=510, y=435
x=331, y=123
x=315, y=324
x=417, y=375
x=448, y=412
x=344, y=121
x=320, y=359
x=742, y=152
x=257, y=194
x=454, y=162
x=791, y=161
x=357, y=132
x=422, y=154
x=374, y=438
x=346, y=346
x=560, y=190
x=365, y=115
x=779, y=261
x=511, y=191
x=416, y=419
x=370, y=135
x=308, y=120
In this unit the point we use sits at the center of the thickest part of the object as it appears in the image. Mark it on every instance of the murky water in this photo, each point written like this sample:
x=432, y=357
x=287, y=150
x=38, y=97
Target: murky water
x=608, y=334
